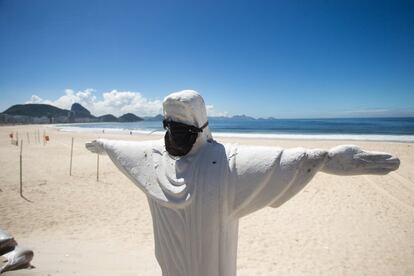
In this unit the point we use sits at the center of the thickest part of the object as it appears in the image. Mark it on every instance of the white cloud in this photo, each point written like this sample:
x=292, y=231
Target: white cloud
x=212, y=112
x=113, y=102
x=35, y=99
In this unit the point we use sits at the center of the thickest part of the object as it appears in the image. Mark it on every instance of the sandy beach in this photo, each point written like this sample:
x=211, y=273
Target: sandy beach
x=359, y=225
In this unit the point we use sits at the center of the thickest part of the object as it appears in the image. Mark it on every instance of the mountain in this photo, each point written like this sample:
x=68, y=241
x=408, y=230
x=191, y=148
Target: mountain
x=46, y=114
x=266, y=119
x=129, y=117
x=158, y=117
x=242, y=118
x=108, y=118
x=79, y=111
x=235, y=118
x=36, y=110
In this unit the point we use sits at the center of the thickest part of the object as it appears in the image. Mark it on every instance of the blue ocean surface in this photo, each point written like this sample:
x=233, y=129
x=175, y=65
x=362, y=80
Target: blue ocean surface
x=395, y=129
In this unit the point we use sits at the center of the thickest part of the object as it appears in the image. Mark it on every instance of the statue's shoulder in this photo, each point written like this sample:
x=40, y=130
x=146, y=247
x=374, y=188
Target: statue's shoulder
x=252, y=150
x=131, y=150
x=156, y=145
x=251, y=157
x=125, y=144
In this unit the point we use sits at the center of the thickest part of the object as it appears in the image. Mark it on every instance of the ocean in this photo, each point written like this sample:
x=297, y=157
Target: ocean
x=374, y=129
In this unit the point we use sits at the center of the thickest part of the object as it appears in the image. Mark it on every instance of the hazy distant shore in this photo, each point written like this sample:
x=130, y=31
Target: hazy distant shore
x=237, y=129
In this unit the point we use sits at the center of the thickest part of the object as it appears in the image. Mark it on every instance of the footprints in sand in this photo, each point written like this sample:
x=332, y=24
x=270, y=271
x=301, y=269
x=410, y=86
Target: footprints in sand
x=404, y=181
x=396, y=188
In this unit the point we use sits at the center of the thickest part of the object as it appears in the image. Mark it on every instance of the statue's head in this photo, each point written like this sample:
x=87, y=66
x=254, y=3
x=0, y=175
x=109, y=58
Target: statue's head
x=185, y=119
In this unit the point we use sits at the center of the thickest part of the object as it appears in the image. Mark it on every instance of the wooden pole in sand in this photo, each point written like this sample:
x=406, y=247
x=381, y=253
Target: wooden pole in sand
x=21, y=168
x=71, y=155
x=97, y=168
x=17, y=138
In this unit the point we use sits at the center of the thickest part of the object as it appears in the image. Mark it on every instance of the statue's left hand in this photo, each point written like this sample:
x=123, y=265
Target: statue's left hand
x=351, y=160
x=95, y=147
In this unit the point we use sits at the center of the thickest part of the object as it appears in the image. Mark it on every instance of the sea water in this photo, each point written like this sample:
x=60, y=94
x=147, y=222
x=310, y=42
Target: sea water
x=376, y=129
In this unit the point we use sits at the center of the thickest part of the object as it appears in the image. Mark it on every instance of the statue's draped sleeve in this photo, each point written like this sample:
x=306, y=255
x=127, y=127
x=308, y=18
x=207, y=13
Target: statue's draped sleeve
x=269, y=176
x=250, y=177
x=135, y=160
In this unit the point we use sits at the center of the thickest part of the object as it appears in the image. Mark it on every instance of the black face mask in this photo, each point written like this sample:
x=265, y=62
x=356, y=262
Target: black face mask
x=180, y=138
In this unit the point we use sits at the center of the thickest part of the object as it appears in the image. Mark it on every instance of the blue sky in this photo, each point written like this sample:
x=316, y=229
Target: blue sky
x=260, y=58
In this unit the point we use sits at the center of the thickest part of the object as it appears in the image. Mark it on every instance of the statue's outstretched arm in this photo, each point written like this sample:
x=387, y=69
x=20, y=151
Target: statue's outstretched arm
x=96, y=146
x=351, y=160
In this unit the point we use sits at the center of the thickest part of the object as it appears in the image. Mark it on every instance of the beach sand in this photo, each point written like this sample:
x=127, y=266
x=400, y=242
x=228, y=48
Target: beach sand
x=359, y=225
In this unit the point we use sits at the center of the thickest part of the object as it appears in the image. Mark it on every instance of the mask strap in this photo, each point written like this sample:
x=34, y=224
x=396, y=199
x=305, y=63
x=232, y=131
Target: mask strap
x=204, y=126
x=200, y=129
x=191, y=128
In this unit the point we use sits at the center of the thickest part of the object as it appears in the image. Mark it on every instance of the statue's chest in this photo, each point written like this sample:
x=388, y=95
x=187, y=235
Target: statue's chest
x=200, y=186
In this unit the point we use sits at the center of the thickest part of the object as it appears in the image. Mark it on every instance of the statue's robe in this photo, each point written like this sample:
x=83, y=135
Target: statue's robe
x=196, y=200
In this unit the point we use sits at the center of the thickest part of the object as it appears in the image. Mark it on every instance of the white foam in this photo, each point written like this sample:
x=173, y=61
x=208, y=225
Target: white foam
x=352, y=137
x=358, y=137
x=107, y=130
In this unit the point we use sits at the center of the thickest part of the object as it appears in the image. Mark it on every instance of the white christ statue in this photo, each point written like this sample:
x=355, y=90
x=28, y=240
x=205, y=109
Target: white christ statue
x=198, y=189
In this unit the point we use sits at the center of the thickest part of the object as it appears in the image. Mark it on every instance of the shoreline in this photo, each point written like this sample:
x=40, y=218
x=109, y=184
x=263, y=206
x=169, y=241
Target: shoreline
x=259, y=134
x=253, y=135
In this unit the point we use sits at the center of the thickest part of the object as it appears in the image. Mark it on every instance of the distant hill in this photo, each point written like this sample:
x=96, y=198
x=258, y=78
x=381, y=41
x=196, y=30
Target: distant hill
x=158, y=117
x=45, y=114
x=36, y=110
x=129, y=117
x=235, y=118
x=80, y=112
x=243, y=118
x=108, y=118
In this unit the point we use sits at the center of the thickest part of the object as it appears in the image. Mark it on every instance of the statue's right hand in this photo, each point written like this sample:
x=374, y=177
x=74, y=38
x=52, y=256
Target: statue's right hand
x=351, y=160
x=95, y=147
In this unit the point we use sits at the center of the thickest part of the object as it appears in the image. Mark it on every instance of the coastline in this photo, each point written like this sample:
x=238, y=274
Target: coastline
x=253, y=135
x=78, y=226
